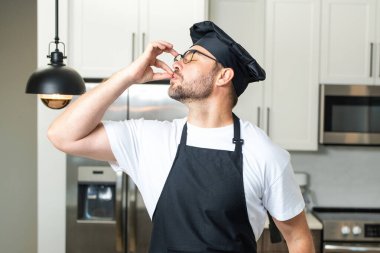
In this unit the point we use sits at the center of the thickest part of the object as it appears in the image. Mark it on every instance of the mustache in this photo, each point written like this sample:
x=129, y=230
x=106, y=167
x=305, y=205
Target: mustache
x=176, y=71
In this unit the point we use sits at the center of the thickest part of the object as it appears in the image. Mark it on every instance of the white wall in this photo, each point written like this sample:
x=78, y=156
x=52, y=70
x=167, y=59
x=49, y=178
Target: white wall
x=342, y=176
x=18, y=127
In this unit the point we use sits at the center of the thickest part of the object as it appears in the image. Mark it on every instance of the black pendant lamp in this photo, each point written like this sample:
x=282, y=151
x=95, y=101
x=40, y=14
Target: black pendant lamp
x=56, y=84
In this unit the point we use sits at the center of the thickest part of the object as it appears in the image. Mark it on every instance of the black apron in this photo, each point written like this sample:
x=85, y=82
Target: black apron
x=202, y=206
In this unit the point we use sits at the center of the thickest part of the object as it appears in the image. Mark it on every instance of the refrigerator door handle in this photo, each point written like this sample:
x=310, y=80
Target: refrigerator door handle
x=119, y=212
x=132, y=216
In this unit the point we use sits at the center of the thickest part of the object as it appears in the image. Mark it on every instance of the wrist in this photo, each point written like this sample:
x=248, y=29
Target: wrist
x=126, y=76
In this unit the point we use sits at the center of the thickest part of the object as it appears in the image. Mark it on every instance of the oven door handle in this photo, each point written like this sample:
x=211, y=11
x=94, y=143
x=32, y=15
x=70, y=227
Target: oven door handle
x=331, y=248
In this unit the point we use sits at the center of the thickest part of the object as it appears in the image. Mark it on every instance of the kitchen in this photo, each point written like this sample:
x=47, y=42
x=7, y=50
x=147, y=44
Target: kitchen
x=340, y=176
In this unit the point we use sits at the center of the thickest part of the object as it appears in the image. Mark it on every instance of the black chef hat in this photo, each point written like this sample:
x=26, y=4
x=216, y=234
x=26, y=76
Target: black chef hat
x=229, y=53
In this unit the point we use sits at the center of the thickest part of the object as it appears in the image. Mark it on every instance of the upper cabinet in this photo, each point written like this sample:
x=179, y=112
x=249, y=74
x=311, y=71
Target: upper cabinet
x=283, y=36
x=292, y=65
x=350, y=43
x=106, y=36
x=244, y=20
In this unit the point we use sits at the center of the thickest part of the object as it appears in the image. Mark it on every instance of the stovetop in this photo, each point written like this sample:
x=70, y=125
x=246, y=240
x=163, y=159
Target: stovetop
x=345, y=213
x=346, y=210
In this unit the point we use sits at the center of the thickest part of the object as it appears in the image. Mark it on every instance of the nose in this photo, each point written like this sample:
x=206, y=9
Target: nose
x=177, y=65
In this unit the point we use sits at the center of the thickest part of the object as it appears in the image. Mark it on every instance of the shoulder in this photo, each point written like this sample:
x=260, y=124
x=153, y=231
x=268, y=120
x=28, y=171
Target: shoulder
x=259, y=145
x=142, y=131
x=157, y=129
x=264, y=159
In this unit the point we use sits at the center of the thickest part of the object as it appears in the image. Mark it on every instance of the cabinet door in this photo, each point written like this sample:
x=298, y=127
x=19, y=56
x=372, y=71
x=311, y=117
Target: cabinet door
x=377, y=54
x=101, y=35
x=317, y=239
x=269, y=247
x=244, y=20
x=170, y=20
x=348, y=34
x=292, y=57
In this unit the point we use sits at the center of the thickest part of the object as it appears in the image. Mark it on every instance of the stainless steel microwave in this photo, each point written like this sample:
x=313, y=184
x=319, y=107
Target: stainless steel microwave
x=350, y=114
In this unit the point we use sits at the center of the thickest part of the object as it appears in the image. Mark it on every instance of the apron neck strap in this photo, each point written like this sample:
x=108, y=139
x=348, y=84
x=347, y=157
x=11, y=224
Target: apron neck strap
x=236, y=140
x=184, y=135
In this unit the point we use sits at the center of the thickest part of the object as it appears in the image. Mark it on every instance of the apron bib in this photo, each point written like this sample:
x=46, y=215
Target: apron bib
x=202, y=207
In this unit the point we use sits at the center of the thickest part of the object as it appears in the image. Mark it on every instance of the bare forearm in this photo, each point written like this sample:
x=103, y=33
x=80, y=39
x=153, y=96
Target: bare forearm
x=302, y=244
x=297, y=234
x=78, y=131
x=82, y=117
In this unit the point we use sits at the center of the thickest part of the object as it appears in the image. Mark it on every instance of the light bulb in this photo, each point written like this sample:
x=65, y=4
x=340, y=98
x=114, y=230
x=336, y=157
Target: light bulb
x=55, y=101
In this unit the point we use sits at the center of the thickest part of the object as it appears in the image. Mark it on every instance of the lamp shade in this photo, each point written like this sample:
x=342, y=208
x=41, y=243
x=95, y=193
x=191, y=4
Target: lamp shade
x=56, y=80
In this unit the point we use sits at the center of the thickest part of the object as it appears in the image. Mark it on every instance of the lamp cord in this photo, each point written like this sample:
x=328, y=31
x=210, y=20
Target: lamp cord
x=56, y=39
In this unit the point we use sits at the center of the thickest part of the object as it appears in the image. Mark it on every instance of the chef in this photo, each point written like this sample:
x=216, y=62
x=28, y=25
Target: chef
x=207, y=180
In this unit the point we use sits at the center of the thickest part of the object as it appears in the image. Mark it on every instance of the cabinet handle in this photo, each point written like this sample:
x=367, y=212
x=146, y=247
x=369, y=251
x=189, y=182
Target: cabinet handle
x=371, y=61
x=379, y=58
x=268, y=120
x=143, y=42
x=258, y=116
x=133, y=46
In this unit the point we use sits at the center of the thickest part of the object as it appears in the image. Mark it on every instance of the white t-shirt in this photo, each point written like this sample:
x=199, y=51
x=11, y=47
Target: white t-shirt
x=145, y=150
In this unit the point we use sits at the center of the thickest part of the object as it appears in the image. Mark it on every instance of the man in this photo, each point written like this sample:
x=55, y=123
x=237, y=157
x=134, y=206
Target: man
x=209, y=179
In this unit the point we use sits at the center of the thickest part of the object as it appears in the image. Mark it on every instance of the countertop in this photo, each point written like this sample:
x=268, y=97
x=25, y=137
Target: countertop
x=312, y=221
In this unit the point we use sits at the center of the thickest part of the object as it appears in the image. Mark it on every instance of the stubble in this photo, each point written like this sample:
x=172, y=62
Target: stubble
x=194, y=90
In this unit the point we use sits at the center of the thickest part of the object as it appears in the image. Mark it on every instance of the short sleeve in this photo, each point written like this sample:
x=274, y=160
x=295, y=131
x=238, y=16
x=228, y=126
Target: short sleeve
x=283, y=198
x=123, y=136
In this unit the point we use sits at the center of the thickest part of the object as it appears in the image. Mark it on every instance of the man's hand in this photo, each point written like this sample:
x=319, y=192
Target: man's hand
x=141, y=69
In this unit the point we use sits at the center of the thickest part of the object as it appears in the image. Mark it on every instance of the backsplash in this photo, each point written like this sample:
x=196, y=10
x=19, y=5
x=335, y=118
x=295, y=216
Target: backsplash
x=342, y=176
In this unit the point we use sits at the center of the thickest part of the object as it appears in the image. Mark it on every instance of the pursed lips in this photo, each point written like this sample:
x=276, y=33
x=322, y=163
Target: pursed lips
x=176, y=76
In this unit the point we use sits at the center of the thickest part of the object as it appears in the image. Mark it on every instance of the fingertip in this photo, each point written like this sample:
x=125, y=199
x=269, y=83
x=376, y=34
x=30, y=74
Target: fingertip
x=161, y=76
x=173, y=52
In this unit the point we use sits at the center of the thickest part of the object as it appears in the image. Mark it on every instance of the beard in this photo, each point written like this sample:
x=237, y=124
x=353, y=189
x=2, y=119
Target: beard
x=190, y=91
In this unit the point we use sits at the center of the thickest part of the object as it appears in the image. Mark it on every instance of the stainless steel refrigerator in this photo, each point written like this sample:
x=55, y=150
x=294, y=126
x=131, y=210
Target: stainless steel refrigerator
x=104, y=210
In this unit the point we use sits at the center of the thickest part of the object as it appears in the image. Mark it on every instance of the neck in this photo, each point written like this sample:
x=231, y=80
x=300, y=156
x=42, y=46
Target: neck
x=209, y=115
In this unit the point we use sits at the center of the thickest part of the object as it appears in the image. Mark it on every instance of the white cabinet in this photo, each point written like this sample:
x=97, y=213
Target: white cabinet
x=292, y=60
x=171, y=20
x=350, y=42
x=105, y=36
x=283, y=36
x=101, y=35
x=244, y=21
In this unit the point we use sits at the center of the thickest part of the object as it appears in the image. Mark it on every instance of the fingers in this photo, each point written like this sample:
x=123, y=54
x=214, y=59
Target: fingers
x=149, y=59
x=162, y=65
x=161, y=76
x=161, y=46
x=168, y=74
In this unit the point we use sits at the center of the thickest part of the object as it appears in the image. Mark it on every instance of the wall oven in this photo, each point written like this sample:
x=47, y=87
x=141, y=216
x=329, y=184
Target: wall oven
x=350, y=114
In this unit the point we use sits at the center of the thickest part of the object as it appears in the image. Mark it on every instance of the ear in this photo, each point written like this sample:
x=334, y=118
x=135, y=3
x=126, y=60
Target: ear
x=225, y=76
